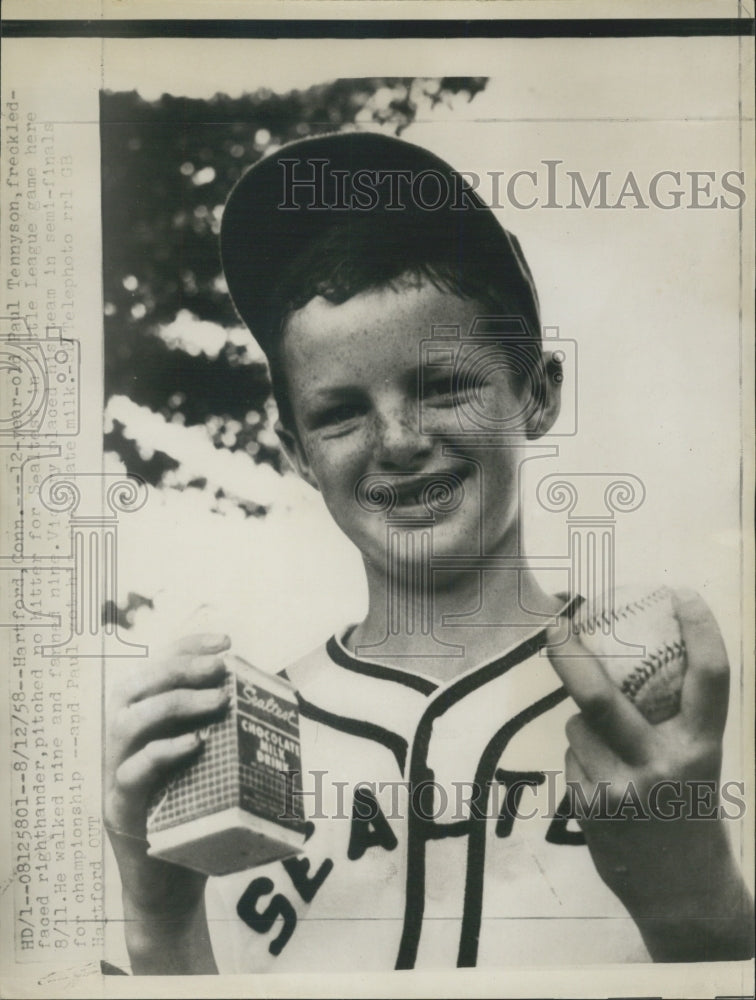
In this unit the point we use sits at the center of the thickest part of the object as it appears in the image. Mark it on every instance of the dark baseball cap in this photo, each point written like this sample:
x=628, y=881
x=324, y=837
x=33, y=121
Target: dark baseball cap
x=291, y=198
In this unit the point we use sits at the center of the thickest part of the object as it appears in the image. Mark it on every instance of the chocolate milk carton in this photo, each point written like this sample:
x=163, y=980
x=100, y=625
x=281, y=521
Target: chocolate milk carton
x=236, y=805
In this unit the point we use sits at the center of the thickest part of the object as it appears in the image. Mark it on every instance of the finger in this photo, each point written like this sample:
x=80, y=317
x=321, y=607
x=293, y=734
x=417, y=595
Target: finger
x=606, y=710
x=181, y=670
x=706, y=686
x=165, y=715
x=142, y=771
x=573, y=769
x=597, y=760
x=202, y=642
x=577, y=781
x=174, y=657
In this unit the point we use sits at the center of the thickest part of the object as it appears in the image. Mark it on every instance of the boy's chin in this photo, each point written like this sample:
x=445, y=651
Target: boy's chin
x=415, y=544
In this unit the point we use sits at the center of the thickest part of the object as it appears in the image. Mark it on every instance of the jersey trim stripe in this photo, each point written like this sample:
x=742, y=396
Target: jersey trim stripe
x=476, y=845
x=357, y=727
x=344, y=658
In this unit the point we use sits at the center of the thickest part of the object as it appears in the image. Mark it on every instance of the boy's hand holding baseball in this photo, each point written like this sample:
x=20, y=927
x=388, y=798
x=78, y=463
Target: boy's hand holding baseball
x=153, y=716
x=676, y=876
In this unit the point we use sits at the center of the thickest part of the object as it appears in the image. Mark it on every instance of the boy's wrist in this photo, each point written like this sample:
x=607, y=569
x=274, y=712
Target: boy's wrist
x=150, y=885
x=168, y=941
x=722, y=929
x=702, y=910
x=164, y=912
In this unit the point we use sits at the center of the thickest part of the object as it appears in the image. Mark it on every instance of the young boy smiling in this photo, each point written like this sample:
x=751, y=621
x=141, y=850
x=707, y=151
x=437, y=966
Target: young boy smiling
x=422, y=734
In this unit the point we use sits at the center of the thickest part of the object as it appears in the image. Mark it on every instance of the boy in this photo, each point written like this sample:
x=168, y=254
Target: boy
x=433, y=749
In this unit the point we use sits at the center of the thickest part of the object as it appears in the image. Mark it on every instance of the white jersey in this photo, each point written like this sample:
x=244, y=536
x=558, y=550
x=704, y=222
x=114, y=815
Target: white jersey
x=436, y=835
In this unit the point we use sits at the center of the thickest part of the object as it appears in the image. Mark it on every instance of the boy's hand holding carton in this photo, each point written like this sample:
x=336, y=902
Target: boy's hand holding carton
x=154, y=714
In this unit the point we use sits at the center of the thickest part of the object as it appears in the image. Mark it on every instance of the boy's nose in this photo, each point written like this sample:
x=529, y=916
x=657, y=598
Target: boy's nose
x=401, y=445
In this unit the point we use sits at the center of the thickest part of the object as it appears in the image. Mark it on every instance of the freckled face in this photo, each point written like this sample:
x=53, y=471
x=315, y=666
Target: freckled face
x=353, y=374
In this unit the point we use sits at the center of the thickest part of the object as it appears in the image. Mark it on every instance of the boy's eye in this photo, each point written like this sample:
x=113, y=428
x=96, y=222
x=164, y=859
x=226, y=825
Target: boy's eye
x=338, y=414
x=334, y=416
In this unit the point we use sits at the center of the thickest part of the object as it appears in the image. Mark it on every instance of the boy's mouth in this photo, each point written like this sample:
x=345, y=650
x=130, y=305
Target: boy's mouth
x=428, y=494
x=434, y=493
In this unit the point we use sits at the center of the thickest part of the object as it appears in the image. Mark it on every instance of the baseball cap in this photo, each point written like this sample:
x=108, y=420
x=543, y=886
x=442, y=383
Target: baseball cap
x=291, y=198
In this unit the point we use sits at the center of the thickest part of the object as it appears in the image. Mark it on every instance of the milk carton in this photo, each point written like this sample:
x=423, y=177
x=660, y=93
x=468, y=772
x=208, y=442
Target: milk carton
x=236, y=805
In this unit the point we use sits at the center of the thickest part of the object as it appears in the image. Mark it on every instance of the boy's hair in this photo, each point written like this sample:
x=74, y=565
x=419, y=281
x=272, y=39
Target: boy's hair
x=364, y=255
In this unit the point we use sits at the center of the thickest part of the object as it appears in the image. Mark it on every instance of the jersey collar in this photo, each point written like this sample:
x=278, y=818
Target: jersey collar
x=343, y=657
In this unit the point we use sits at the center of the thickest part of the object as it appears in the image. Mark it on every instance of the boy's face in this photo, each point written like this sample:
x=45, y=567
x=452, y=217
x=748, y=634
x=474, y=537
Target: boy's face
x=353, y=376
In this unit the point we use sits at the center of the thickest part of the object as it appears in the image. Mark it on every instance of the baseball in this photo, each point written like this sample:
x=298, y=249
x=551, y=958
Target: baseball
x=639, y=616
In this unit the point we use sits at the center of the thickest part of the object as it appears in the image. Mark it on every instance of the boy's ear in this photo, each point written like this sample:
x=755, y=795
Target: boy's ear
x=543, y=417
x=295, y=453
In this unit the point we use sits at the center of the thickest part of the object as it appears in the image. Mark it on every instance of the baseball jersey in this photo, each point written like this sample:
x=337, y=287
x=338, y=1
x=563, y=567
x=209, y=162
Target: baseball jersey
x=438, y=831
